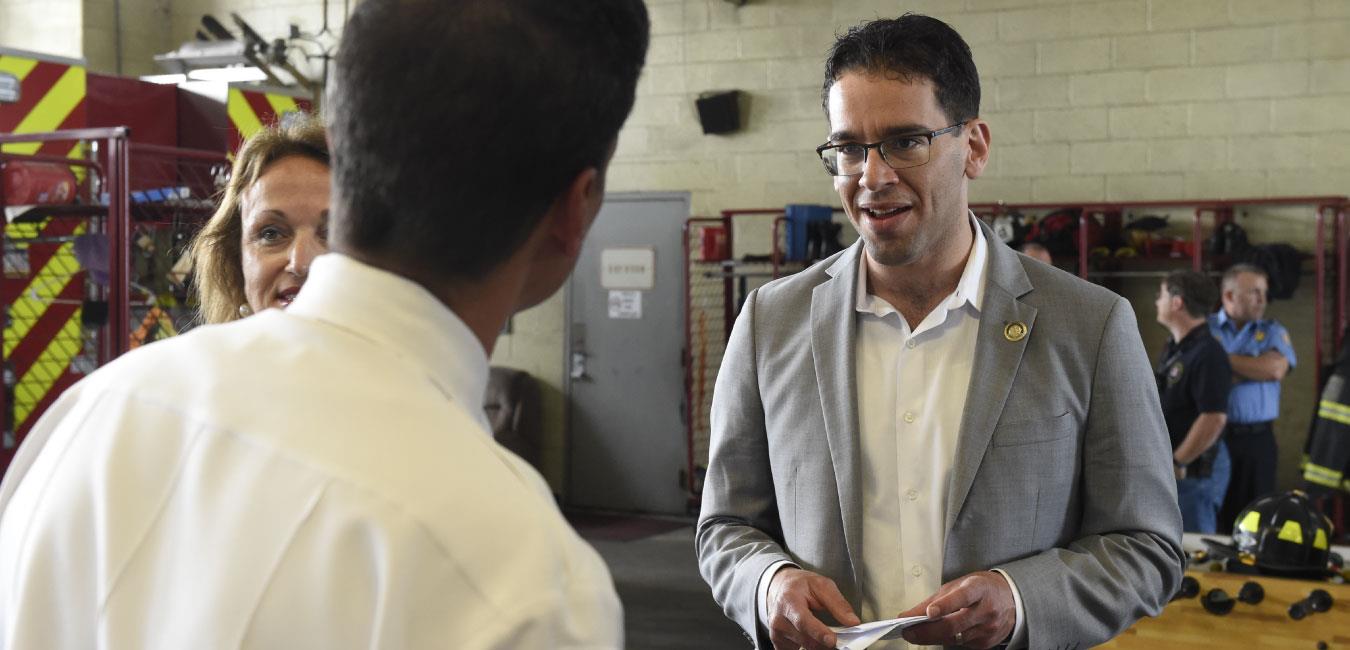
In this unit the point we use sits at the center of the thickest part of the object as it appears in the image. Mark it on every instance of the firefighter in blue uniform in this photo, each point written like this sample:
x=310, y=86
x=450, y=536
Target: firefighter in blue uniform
x=1261, y=354
x=1194, y=379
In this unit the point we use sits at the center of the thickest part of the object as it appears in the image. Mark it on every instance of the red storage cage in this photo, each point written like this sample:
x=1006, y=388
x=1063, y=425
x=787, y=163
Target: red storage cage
x=97, y=221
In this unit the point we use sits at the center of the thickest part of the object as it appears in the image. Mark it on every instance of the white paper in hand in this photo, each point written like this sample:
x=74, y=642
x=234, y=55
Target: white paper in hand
x=861, y=636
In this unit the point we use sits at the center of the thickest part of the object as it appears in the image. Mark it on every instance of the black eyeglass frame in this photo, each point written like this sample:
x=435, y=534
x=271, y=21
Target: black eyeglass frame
x=820, y=151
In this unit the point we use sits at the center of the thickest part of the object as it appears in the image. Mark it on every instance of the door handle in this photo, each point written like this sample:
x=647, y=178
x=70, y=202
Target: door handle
x=578, y=371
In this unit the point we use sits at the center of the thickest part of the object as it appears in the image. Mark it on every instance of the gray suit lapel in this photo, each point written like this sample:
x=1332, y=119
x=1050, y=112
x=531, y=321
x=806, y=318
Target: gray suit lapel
x=833, y=333
x=996, y=362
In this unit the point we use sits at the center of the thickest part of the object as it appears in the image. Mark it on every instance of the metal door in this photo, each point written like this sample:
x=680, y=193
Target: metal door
x=627, y=446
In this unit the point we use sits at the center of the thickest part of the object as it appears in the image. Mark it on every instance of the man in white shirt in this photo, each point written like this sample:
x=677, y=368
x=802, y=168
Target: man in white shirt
x=324, y=477
x=929, y=424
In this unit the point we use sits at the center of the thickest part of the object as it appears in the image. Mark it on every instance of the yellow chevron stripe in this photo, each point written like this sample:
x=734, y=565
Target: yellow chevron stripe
x=17, y=66
x=26, y=230
x=1334, y=416
x=51, y=110
x=166, y=327
x=282, y=104
x=50, y=365
x=241, y=114
x=46, y=284
x=80, y=171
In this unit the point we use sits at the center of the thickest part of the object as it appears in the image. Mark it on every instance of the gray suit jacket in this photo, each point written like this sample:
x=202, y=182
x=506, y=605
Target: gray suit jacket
x=1062, y=476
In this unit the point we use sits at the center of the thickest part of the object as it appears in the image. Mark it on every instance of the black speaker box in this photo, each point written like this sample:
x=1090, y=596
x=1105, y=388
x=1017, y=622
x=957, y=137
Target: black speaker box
x=719, y=112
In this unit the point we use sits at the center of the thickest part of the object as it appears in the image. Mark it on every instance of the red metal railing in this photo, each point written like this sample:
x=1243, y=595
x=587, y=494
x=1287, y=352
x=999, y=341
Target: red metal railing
x=104, y=202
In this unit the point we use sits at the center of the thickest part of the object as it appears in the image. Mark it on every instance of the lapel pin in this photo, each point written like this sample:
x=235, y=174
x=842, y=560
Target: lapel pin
x=1015, y=331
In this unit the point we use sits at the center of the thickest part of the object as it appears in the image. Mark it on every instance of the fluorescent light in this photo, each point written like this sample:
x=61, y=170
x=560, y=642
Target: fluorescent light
x=233, y=73
x=168, y=79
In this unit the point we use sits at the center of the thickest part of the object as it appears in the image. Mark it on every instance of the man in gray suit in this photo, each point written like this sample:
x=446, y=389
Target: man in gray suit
x=928, y=423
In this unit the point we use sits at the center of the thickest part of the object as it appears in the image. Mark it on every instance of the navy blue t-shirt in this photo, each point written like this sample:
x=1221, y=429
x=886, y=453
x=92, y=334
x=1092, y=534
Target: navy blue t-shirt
x=1193, y=378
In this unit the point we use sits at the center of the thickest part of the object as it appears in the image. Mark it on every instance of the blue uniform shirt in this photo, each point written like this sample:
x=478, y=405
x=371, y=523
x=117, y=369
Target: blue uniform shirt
x=1252, y=401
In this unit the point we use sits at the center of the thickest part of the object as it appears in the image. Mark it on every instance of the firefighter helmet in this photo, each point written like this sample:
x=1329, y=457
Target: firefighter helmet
x=1283, y=534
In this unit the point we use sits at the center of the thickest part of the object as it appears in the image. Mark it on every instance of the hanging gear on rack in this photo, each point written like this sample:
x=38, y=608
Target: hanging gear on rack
x=1228, y=239
x=1011, y=228
x=1282, y=263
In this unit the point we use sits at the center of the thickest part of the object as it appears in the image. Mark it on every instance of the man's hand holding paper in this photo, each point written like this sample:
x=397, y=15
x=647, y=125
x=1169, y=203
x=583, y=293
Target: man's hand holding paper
x=974, y=611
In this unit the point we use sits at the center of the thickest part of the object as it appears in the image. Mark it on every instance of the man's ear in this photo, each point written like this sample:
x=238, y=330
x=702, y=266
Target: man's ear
x=977, y=136
x=574, y=210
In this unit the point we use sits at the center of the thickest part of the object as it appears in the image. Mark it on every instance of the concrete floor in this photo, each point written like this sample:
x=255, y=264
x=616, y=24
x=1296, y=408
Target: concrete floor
x=666, y=604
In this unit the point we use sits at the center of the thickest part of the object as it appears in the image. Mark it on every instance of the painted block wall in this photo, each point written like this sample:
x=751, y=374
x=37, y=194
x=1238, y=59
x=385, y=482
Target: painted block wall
x=144, y=29
x=1087, y=101
x=44, y=26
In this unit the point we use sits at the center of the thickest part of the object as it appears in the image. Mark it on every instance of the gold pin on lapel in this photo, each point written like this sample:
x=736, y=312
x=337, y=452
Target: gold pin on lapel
x=1015, y=331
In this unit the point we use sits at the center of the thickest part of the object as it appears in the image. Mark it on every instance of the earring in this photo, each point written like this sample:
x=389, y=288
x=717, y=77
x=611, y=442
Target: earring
x=244, y=310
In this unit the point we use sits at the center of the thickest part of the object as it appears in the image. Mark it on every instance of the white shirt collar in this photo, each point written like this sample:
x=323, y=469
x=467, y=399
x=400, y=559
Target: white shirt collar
x=401, y=316
x=970, y=288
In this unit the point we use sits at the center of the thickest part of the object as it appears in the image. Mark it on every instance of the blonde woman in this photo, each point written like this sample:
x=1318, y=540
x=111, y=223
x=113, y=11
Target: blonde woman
x=255, y=251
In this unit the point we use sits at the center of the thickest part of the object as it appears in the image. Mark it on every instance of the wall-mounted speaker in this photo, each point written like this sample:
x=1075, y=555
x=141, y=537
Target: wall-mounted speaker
x=719, y=111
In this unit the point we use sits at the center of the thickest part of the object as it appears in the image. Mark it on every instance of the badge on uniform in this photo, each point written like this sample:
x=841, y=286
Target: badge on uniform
x=1174, y=373
x=1015, y=331
x=1260, y=335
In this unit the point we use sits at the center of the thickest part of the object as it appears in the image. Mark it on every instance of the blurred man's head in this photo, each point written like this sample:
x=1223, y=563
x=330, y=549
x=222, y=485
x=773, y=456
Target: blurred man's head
x=1244, y=293
x=1185, y=297
x=1037, y=252
x=464, y=129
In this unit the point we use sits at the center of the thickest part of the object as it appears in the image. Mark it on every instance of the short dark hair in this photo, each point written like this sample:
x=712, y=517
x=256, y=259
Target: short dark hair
x=456, y=123
x=908, y=46
x=1197, y=292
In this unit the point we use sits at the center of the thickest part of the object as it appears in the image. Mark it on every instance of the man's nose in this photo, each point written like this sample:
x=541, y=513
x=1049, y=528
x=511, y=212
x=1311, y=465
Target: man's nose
x=877, y=174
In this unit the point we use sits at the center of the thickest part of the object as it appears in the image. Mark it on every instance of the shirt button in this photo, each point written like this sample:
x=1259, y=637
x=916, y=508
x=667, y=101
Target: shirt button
x=910, y=344
x=912, y=494
x=917, y=570
x=909, y=417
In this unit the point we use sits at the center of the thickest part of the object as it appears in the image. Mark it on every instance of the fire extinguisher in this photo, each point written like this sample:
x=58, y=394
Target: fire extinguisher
x=37, y=183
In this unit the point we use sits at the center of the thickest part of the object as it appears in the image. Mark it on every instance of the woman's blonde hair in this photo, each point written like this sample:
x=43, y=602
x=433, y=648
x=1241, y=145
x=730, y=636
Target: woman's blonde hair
x=218, y=273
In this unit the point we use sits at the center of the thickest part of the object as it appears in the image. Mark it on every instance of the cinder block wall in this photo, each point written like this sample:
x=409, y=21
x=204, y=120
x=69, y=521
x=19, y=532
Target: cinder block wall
x=1087, y=101
x=144, y=28
x=1122, y=100
x=45, y=26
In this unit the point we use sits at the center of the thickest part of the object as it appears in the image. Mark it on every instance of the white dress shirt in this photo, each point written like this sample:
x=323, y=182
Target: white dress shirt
x=912, y=391
x=316, y=478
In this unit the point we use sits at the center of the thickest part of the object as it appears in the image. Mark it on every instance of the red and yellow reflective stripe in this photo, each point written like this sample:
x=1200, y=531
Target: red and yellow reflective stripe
x=42, y=337
x=282, y=104
x=48, y=368
x=17, y=66
x=58, y=344
x=250, y=110
x=52, y=98
x=245, y=121
x=46, y=285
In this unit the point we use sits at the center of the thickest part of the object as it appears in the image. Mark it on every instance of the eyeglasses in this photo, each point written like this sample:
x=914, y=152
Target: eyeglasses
x=900, y=152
